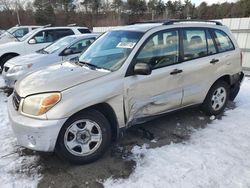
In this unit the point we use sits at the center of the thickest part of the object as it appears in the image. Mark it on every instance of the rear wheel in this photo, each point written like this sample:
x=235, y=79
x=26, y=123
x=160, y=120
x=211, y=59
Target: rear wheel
x=84, y=138
x=217, y=98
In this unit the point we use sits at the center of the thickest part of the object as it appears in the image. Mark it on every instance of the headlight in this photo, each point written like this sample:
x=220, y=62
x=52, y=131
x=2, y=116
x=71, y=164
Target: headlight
x=18, y=68
x=37, y=105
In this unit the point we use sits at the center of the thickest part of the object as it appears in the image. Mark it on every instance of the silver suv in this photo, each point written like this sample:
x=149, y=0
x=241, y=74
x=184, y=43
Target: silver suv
x=125, y=77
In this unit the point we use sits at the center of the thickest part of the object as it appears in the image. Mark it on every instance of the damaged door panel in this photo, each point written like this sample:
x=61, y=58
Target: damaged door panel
x=152, y=95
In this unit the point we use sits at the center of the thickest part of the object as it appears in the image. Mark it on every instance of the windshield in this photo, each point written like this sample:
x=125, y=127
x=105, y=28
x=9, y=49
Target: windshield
x=28, y=35
x=64, y=42
x=111, y=50
x=9, y=31
x=12, y=30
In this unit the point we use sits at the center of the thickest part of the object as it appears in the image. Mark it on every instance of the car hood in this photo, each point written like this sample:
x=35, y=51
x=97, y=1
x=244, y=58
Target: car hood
x=26, y=59
x=56, y=77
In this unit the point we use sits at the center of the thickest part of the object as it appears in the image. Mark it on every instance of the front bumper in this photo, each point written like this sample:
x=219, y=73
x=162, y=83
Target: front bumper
x=10, y=79
x=35, y=134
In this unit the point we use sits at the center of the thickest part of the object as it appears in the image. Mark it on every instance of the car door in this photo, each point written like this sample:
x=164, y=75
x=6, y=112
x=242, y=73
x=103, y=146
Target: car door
x=40, y=40
x=78, y=47
x=201, y=64
x=161, y=91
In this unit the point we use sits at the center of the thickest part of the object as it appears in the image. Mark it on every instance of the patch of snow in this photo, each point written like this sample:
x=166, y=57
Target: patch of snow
x=212, y=117
x=201, y=118
x=154, y=141
x=216, y=156
x=15, y=170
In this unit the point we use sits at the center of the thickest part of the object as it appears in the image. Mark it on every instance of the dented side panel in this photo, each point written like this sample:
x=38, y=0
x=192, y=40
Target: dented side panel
x=152, y=94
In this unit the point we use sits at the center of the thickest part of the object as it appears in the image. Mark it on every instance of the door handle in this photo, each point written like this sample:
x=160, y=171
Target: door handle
x=176, y=71
x=213, y=61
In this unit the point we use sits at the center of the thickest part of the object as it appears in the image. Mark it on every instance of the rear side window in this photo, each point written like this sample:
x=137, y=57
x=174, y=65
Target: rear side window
x=84, y=31
x=194, y=43
x=223, y=42
x=63, y=33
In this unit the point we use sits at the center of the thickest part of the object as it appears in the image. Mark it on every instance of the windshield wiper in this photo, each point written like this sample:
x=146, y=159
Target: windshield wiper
x=42, y=51
x=92, y=66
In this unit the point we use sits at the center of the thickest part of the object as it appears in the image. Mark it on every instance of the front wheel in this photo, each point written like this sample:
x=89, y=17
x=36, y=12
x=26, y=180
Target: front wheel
x=84, y=138
x=217, y=98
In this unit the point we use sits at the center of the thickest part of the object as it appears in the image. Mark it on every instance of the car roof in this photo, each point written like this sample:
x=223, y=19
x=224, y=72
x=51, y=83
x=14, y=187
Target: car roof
x=144, y=27
x=61, y=27
x=147, y=25
x=22, y=26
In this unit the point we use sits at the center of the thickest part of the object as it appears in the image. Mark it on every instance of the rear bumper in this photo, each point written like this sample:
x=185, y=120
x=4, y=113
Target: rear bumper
x=35, y=134
x=236, y=81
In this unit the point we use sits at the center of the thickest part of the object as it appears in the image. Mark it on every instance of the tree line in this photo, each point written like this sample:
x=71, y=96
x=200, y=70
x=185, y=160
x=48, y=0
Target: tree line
x=112, y=12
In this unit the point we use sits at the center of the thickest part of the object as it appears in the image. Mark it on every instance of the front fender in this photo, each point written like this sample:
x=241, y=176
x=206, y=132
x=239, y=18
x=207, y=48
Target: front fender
x=88, y=94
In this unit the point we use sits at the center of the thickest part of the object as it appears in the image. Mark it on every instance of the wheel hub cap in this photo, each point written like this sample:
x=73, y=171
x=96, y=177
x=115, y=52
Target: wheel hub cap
x=83, y=137
x=219, y=98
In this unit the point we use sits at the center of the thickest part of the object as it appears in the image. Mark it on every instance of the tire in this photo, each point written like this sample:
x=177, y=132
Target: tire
x=75, y=137
x=5, y=59
x=234, y=91
x=217, y=98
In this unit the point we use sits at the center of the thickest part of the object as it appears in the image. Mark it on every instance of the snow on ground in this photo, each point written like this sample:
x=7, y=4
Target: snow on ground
x=217, y=156
x=16, y=170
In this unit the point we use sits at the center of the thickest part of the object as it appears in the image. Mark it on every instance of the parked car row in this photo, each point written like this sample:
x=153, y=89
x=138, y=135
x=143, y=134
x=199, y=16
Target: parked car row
x=64, y=49
x=36, y=40
x=15, y=33
x=125, y=77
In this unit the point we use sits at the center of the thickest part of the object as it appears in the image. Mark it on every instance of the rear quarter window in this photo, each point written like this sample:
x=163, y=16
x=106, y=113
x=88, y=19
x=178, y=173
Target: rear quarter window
x=63, y=33
x=223, y=41
x=84, y=31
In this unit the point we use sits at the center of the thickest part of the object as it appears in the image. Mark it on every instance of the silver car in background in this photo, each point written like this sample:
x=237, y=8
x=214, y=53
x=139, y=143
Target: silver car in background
x=15, y=33
x=64, y=49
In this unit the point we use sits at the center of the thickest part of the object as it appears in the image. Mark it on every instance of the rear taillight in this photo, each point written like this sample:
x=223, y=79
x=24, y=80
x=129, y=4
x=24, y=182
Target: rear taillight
x=241, y=58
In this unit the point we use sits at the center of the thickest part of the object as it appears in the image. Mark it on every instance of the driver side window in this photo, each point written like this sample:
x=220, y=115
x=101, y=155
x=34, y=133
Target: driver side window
x=45, y=36
x=81, y=45
x=161, y=50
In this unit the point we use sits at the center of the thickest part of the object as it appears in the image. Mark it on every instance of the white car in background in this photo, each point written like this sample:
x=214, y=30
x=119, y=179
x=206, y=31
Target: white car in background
x=15, y=33
x=36, y=40
x=64, y=49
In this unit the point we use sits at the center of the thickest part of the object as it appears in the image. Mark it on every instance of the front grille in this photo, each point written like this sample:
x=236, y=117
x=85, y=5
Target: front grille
x=6, y=69
x=16, y=100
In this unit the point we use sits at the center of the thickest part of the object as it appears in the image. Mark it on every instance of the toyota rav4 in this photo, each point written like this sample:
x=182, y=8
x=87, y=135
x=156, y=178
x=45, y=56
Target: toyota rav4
x=125, y=77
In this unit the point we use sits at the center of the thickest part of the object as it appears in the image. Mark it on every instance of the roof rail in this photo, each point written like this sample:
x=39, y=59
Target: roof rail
x=170, y=22
x=150, y=21
x=72, y=25
x=48, y=25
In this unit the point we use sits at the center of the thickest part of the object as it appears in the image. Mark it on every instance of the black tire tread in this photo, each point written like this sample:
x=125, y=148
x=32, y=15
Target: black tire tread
x=206, y=106
x=94, y=115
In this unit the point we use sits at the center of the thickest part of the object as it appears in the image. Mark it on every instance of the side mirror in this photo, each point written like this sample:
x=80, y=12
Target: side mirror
x=32, y=41
x=67, y=52
x=142, y=69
